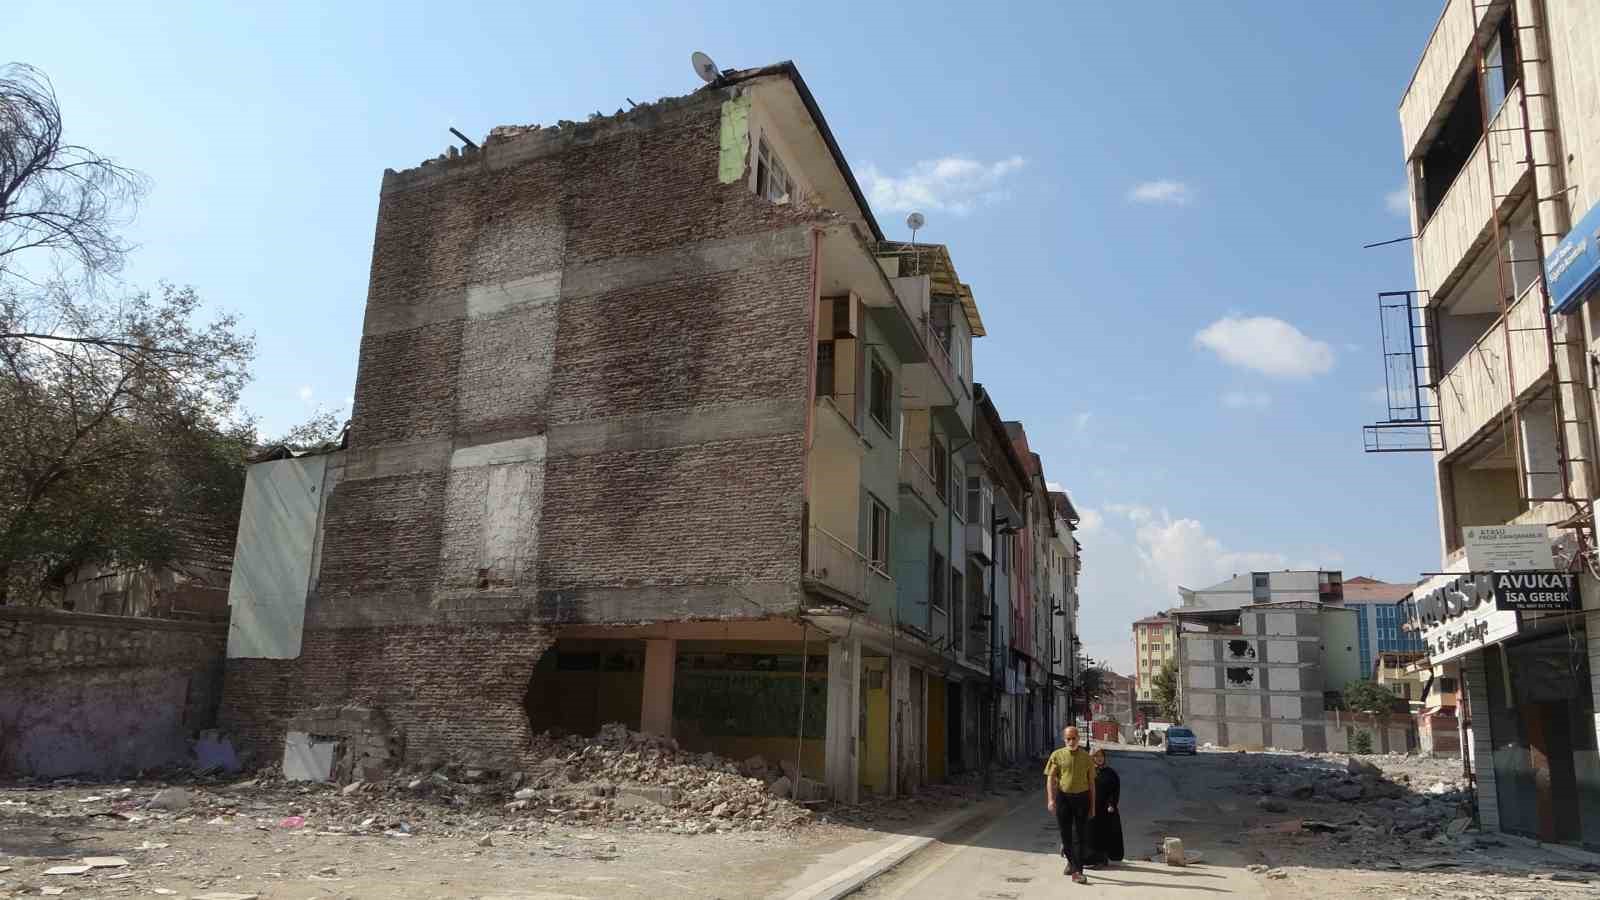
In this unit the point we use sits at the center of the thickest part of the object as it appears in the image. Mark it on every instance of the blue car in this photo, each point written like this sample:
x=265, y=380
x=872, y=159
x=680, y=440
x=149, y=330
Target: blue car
x=1181, y=740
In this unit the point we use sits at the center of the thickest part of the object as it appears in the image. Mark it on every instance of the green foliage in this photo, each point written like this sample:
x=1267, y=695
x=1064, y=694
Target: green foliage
x=1361, y=742
x=1165, y=683
x=120, y=424
x=1091, y=686
x=1366, y=695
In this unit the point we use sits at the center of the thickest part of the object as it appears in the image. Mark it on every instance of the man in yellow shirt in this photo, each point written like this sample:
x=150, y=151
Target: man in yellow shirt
x=1069, y=795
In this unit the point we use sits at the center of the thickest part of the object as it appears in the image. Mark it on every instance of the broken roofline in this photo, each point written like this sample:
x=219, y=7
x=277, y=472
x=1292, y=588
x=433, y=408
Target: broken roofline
x=785, y=69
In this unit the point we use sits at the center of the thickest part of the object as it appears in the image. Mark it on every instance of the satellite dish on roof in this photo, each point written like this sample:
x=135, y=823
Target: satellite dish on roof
x=915, y=221
x=704, y=67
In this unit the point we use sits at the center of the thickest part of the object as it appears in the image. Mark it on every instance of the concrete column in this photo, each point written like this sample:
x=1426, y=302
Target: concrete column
x=844, y=712
x=660, y=663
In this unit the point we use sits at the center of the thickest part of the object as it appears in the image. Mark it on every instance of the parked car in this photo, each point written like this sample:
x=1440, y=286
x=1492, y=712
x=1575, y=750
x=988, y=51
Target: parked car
x=1181, y=740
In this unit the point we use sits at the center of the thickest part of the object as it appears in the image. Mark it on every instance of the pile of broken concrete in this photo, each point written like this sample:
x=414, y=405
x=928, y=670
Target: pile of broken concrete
x=1384, y=804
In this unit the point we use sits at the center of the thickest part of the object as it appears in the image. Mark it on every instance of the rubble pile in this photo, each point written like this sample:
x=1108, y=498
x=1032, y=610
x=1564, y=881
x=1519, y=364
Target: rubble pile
x=1397, y=805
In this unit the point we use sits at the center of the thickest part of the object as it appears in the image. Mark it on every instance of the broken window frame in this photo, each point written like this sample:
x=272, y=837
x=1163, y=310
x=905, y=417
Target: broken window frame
x=880, y=396
x=772, y=177
x=878, y=546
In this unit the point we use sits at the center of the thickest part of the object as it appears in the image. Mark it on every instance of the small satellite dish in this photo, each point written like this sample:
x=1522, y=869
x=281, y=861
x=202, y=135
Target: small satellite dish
x=915, y=221
x=704, y=67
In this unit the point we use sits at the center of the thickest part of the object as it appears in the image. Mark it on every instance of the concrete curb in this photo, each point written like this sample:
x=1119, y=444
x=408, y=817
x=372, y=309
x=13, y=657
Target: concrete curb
x=853, y=877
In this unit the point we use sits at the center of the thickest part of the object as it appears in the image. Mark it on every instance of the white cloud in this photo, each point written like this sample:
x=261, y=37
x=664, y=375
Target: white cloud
x=1398, y=202
x=1246, y=399
x=1165, y=191
x=1267, y=345
x=1378, y=396
x=1136, y=557
x=348, y=402
x=952, y=184
x=305, y=393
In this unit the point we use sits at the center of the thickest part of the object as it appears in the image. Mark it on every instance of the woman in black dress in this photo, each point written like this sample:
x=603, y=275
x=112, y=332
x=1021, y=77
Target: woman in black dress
x=1105, y=829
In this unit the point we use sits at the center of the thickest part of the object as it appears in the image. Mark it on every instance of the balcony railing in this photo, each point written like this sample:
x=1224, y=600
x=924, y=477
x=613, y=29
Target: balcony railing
x=836, y=568
x=938, y=354
x=1475, y=391
x=1457, y=227
x=980, y=542
x=914, y=475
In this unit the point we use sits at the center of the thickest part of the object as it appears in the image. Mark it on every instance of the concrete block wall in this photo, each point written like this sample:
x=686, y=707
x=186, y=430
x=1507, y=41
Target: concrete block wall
x=103, y=695
x=1259, y=687
x=581, y=397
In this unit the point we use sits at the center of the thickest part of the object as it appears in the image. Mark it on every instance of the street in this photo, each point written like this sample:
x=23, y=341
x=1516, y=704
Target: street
x=1015, y=857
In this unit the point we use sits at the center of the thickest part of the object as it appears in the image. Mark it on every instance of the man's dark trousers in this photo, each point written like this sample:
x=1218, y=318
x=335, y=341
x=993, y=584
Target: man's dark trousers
x=1072, y=818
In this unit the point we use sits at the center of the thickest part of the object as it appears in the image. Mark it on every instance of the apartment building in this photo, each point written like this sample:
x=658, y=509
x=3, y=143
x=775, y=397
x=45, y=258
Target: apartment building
x=1117, y=703
x=652, y=424
x=1303, y=586
x=1382, y=609
x=1065, y=562
x=1154, y=642
x=1489, y=370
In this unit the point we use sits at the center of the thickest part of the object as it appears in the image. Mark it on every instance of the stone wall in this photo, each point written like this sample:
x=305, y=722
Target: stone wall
x=107, y=695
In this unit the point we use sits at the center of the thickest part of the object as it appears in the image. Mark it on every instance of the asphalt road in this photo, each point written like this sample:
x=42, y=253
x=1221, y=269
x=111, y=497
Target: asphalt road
x=1015, y=856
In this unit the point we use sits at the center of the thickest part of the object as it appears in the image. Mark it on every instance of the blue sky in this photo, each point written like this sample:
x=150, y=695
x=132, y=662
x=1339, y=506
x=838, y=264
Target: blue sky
x=1160, y=207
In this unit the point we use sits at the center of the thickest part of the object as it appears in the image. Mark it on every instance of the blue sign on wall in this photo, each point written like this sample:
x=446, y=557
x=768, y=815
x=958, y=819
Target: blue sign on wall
x=1573, y=269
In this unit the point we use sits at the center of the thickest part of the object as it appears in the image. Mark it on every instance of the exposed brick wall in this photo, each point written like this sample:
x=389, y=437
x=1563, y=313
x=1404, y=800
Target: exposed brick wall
x=710, y=513
x=727, y=337
x=597, y=289
x=406, y=385
x=456, y=692
x=382, y=535
x=84, y=693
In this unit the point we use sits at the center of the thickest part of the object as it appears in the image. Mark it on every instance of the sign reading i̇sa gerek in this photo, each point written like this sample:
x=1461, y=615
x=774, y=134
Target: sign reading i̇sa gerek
x=1537, y=591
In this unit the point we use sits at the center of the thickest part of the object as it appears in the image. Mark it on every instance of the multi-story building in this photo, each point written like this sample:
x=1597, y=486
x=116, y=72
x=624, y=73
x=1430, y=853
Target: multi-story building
x=1304, y=586
x=1381, y=612
x=651, y=425
x=1065, y=562
x=1489, y=369
x=1154, y=642
x=1117, y=702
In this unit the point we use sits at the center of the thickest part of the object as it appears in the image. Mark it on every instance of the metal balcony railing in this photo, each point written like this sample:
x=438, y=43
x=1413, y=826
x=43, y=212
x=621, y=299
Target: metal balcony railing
x=938, y=354
x=836, y=567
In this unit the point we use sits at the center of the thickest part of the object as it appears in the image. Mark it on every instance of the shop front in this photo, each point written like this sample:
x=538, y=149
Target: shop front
x=1522, y=646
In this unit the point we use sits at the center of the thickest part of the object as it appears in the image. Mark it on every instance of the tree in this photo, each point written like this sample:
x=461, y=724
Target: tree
x=1366, y=695
x=56, y=199
x=1165, y=683
x=111, y=446
x=1091, y=687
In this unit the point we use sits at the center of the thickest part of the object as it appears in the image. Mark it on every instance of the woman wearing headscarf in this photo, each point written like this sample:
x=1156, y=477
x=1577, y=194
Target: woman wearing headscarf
x=1105, y=829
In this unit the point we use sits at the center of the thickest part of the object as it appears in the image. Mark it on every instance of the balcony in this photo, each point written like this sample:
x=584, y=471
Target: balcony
x=1460, y=226
x=836, y=569
x=1475, y=391
x=1444, y=67
x=917, y=480
x=980, y=542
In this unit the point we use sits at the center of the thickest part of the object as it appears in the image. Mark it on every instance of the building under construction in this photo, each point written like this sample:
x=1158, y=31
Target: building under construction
x=1490, y=363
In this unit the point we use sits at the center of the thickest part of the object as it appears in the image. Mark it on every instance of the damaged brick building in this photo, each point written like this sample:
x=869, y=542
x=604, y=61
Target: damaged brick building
x=651, y=425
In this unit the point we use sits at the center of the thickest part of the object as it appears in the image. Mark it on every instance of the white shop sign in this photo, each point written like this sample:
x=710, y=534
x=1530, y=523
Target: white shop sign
x=1508, y=548
x=1458, y=615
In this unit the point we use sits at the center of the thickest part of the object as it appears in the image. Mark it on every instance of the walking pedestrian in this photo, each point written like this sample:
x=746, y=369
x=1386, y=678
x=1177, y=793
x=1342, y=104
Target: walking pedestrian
x=1069, y=795
x=1105, y=831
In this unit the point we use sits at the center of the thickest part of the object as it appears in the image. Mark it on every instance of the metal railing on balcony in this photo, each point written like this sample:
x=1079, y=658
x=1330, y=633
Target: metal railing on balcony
x=836, y=568
x=914, y=474
x=938, y=353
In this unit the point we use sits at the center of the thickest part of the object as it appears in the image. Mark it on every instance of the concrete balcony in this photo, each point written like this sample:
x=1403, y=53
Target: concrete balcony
x=837, y=570
x=1446, y=64
x=1450, y=242
x=918, y=481
x=1475, y=392
x=980, y=542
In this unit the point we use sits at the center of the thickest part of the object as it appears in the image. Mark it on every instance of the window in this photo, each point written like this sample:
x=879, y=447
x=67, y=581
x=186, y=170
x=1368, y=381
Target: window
x=1500, y=64
x=825, y=368
x=936, y=581
x=772, y=179
x=941, y=468
x=879, y=556
x=958, y=477
x=882, y=399
x=1260, y=586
